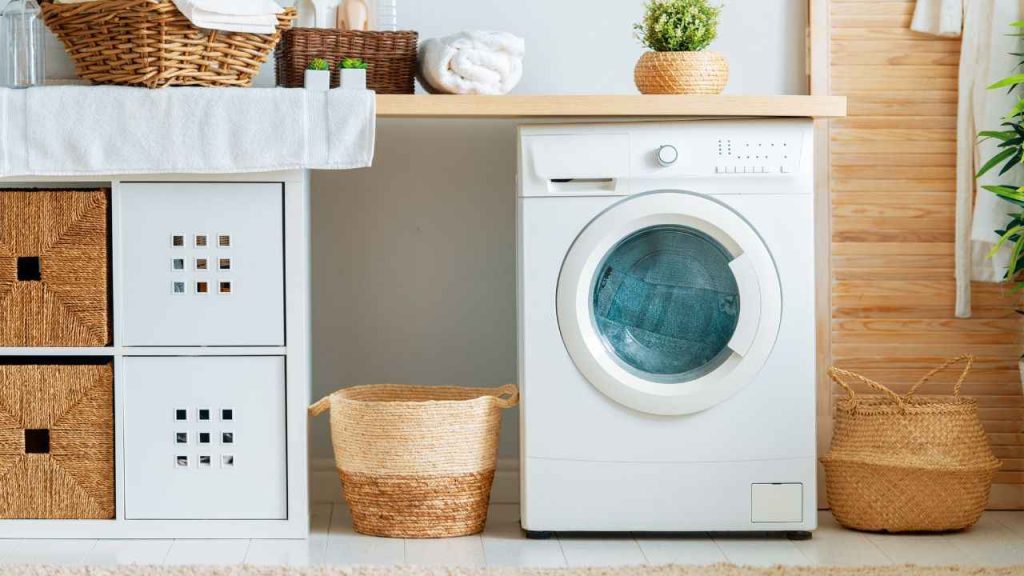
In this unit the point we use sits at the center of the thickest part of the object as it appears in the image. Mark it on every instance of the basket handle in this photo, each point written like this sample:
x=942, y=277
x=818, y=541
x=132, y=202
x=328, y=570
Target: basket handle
x=837, y=375
x=959, y=382
x=507, y=395
x=320, y=406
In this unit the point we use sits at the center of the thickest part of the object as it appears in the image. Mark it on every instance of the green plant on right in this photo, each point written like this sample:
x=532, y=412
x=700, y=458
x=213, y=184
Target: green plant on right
x=353, y=64
x=678, y=25
x=1011, y=153
x=318, y=64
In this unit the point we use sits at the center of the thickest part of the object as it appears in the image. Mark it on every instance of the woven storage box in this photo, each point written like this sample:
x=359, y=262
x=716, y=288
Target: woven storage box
x=56, y=439
x=908, y=463
x=681, y=73
x=54, y=268
x=417, y=461
x=150, y=43
x=392, y=57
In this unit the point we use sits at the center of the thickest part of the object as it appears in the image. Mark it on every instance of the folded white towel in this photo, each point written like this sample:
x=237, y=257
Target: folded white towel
x=473, y=62
x=120, y=130
x=252, y=16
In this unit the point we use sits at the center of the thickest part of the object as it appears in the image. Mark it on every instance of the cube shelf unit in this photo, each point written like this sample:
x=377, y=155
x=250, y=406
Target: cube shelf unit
x=211, y=360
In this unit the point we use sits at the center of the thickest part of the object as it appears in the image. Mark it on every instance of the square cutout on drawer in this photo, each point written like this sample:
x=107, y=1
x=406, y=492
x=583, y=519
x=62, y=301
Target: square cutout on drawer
x=224, y=240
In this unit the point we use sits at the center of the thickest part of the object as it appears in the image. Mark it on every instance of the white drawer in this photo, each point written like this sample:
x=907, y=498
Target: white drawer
x=186, y=456
x=203, y=264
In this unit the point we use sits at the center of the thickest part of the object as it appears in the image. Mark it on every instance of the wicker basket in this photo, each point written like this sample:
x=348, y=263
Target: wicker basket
x=150, y=43
x=908, y=463
x=417, y=461
x=57, y=439
x=681, y=73
x=54, y=268
x=391, y=55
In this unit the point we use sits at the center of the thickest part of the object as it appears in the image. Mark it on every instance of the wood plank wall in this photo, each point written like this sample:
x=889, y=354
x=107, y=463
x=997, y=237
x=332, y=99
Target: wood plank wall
x=892, y=176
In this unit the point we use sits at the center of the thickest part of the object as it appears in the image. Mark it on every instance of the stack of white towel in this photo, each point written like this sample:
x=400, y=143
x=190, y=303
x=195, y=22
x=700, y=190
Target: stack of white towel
x=472, y=63
x=252, y=16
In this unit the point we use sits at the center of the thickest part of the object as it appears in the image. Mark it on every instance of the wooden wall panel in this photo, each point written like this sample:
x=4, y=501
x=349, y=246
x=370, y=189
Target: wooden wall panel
x=892, y=176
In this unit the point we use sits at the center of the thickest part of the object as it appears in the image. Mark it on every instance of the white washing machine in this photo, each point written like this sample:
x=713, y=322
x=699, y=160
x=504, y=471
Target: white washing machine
x=666, y=327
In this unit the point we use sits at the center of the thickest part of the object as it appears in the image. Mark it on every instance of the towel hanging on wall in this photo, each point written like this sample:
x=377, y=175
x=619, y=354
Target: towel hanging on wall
x=984, y=58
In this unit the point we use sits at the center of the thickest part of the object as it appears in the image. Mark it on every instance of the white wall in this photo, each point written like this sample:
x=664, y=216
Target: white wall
x=414, y=259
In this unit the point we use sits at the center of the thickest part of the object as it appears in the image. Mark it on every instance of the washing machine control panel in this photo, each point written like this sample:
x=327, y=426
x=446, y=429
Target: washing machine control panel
x=741, y=155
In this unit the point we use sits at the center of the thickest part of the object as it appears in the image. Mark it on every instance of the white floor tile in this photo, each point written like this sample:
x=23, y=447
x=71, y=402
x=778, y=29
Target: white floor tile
x=505, y=544
x=142, y=552
x=833, y=545
x=45, y=551
x=1012, y=520
x=295, y=552
x=601, y=551
x=760, y=550
x=464, y=551
x=926, y=549
x=989, y=543
x=207, y=552
x=344, y=546
x=694, y=549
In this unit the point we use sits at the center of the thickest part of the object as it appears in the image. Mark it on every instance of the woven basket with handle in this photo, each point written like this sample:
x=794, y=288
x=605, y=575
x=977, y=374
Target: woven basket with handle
x=908, y=463
x=392, y=57
x=151, y=43
x=417, y=461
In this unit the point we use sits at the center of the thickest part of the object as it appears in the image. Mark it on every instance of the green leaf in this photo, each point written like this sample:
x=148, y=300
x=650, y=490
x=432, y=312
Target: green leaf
x=995, y=160
x=1010, y=81
x=997, y=134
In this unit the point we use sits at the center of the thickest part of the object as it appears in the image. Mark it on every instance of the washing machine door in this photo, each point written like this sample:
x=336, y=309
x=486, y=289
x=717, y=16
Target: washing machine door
x=669, y=302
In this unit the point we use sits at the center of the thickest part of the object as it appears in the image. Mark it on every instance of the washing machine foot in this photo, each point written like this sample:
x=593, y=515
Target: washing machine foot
x=537, y=534
x=799, y=535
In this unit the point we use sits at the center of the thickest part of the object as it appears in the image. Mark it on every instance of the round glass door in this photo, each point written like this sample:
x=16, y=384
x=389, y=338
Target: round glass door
x=669, y=302
x=666, y=303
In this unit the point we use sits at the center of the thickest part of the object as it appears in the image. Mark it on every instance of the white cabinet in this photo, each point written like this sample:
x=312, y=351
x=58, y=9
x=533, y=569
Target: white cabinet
x=204, y=437
x=203, y=264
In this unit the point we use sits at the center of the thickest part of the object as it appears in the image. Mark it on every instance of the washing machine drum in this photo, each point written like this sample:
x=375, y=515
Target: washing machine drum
x=669, y=302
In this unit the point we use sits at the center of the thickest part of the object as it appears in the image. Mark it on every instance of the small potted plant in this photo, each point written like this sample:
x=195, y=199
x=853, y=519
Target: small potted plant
x=318, y=75
x=352, y=73
x=677, y=33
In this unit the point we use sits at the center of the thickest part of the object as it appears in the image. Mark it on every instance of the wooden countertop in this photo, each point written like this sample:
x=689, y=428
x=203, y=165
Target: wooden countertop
x=631, y=106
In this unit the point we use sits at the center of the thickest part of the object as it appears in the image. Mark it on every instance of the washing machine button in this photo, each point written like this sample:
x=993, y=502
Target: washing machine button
x=667, y=155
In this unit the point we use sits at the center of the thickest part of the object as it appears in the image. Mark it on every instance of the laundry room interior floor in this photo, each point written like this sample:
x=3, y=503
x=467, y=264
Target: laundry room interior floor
x=998, y=539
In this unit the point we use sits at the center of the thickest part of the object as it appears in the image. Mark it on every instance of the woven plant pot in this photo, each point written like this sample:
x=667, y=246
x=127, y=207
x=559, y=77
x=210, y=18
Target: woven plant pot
x=151, y=43
x=57, y=439
x=906, y=463
x=54, y=268
x=681, y=73
x=417, y=461
x=392, y=57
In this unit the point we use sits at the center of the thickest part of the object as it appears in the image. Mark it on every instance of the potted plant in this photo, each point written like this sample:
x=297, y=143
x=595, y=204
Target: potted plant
x=1010, y=154
x=318, y=75
x=352, y=73
x=677, y=33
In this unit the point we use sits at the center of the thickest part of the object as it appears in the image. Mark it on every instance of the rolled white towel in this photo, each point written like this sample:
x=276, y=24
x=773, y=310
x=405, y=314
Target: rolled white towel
x=472, y=62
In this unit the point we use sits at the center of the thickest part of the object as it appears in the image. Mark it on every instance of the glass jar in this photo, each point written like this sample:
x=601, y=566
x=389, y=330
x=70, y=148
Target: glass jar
x=21, y=44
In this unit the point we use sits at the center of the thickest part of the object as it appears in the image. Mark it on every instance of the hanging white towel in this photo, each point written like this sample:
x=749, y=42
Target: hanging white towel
x=120, y=130
x=939, y=17
x=252, y=16
x=472, y=63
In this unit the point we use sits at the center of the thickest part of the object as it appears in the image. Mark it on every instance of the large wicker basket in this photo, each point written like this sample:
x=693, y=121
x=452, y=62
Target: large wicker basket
x=417, y=461
x=151, y=43
x=57, y=439
x=908, y=463
x=392, y=57
x=54, y=268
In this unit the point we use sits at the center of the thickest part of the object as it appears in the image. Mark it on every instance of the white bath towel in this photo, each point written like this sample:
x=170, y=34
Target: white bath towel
x=474, y=62
x=109, y=130
x=939, y=17
x=253, y=16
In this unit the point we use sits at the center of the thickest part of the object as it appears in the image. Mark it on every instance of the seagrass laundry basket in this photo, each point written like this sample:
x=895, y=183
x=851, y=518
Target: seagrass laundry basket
x=392, y=56
x=54, y=268
x=151, y=43
x=908, y=463
x=417, y=461
x=57, y=438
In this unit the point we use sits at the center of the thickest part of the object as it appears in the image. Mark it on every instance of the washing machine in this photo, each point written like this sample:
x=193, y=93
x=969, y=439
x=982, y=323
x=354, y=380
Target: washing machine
x=666, y=326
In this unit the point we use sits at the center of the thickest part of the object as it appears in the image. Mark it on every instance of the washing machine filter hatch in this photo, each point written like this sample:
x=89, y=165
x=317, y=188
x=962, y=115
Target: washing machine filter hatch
x=666, y=303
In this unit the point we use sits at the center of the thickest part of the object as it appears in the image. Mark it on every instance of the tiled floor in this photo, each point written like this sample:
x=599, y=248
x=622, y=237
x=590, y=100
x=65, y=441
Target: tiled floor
x=998, y=539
